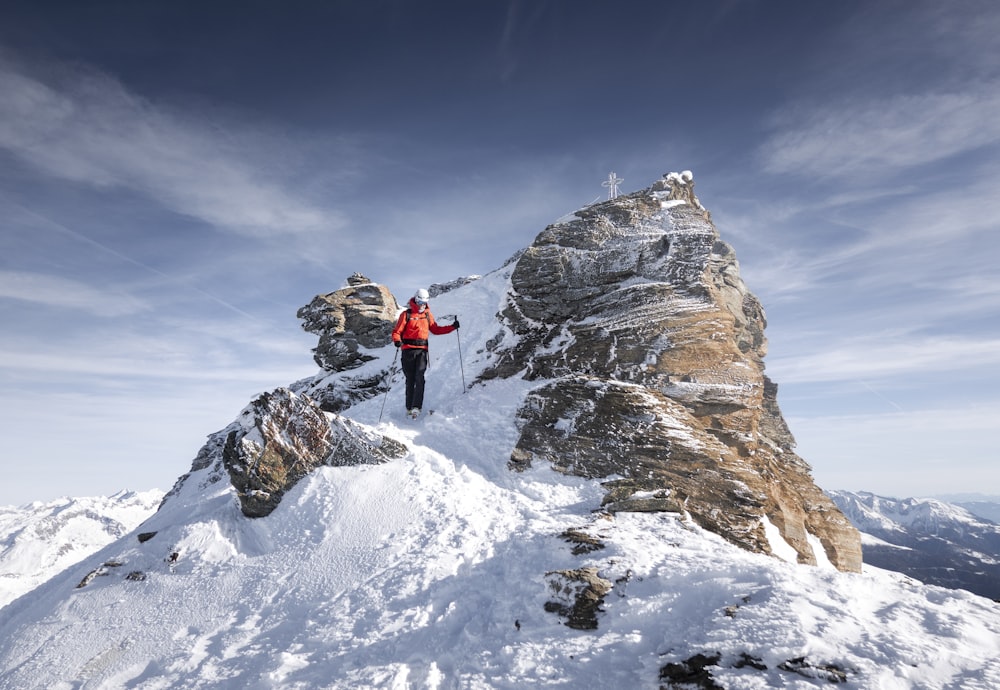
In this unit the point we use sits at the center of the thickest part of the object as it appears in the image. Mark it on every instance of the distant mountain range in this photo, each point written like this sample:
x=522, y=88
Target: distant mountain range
x=930, y=540
x=980, y=505
x=39, y=540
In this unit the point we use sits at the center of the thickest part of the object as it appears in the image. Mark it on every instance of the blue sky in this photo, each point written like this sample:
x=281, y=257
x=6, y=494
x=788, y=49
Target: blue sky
x=177, y=178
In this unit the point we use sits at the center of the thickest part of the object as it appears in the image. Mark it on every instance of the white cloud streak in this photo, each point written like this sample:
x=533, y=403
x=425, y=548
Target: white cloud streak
x=879, y=357
x=148, y=366
x=869, y=139
x=917, y=453
x=88, y=128
x=54, y=291
x=938, y=237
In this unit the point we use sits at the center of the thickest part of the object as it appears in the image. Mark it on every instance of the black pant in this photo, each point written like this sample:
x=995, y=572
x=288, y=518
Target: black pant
x=414, y=365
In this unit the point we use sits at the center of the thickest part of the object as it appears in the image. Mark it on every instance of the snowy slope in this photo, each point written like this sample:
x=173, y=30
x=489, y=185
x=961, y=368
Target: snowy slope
x=433, y=571
x=40, y=539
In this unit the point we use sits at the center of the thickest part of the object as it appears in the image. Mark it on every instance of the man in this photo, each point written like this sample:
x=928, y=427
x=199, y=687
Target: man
x=411, y=332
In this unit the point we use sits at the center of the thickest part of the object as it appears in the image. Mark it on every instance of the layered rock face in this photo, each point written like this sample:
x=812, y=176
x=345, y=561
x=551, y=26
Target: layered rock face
x=635, y=312
x=277, y=440
x=348, y=320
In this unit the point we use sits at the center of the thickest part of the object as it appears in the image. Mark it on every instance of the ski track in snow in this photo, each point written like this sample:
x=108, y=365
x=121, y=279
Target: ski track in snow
x=429, y=572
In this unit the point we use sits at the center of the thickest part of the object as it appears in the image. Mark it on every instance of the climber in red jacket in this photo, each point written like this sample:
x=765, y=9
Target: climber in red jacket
x=413, y=327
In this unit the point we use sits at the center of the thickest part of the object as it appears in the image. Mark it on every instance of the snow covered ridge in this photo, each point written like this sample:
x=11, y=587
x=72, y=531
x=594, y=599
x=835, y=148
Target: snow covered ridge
x=634, y=304
x=429, y=573
x=611, y=502
x=40, y=539
x=932, y=541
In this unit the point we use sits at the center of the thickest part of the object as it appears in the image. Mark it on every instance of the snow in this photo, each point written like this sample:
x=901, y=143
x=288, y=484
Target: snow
x=40, y=539
x=869, y=540
x=432, y=572
x=779, y=547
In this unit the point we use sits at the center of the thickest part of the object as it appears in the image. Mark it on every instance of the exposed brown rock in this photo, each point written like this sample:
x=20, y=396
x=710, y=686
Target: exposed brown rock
x=350, y=323
x=281, y=437
x=349, y=320
x=636, y=315
x=579, y=595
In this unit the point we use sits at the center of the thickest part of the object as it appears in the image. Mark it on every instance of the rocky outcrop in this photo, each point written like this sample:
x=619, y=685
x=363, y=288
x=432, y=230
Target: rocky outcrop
x=635, y=313
x=349, y=322
x=278, y=439
x=281, y=437
x=577, y=596
x=437, y=289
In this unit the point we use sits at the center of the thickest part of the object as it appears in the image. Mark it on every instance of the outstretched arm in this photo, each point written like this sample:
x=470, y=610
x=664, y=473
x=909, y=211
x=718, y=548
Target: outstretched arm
x=437, y=329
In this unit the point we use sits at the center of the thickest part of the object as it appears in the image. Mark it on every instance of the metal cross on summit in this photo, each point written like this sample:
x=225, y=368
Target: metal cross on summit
x=612, y=184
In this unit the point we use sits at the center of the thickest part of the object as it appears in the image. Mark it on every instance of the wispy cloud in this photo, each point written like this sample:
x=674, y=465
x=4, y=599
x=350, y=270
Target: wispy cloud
x=195, y=350
x=85, y=126
x=920, y=452
x=881, y=357
x=149, y=366
x=54, y=291
x=934, y=235
x=37, y=221
x=892, y=89
x=871, y=138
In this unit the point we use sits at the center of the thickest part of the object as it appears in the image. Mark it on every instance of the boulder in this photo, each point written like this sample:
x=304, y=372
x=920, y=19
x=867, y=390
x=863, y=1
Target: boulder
x=348, y=321
x=351, y=323
x=281, y=437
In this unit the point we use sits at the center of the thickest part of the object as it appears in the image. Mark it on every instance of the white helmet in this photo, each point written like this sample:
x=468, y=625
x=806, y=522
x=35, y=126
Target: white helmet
x=421, y=297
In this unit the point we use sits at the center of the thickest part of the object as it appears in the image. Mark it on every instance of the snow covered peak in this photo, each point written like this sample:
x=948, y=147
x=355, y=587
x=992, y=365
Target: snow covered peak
x=676, y=188
x=868, y=511
x=430, y=572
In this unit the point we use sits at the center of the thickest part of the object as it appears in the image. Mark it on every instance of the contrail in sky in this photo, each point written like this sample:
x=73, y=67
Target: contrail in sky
x=59, y=227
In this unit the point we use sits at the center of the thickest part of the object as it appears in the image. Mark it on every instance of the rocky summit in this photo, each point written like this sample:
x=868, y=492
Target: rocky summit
x=648, y=352
x=652, y=348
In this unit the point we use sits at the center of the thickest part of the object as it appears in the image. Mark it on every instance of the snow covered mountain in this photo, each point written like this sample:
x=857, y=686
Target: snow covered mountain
x=485, y=545
x=989, y=510
x=932, y=541
x=39, y=540
x=980, y=505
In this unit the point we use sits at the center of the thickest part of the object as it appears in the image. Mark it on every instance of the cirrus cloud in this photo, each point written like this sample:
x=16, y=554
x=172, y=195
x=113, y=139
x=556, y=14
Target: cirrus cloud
x=55, y=291
x=883, y=135
x=84, y=126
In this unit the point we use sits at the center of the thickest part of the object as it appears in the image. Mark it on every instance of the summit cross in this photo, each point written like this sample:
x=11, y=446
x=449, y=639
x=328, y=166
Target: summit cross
x=612, y=184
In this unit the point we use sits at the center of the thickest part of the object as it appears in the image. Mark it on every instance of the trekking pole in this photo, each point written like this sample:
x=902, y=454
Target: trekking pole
x=460, y=363
x=392, y=370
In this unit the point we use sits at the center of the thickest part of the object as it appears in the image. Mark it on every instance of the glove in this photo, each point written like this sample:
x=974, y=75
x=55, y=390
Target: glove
x=455, y=324
x=396, y=343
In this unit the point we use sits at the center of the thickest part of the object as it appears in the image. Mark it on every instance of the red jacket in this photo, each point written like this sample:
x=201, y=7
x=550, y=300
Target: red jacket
x=414, y=325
